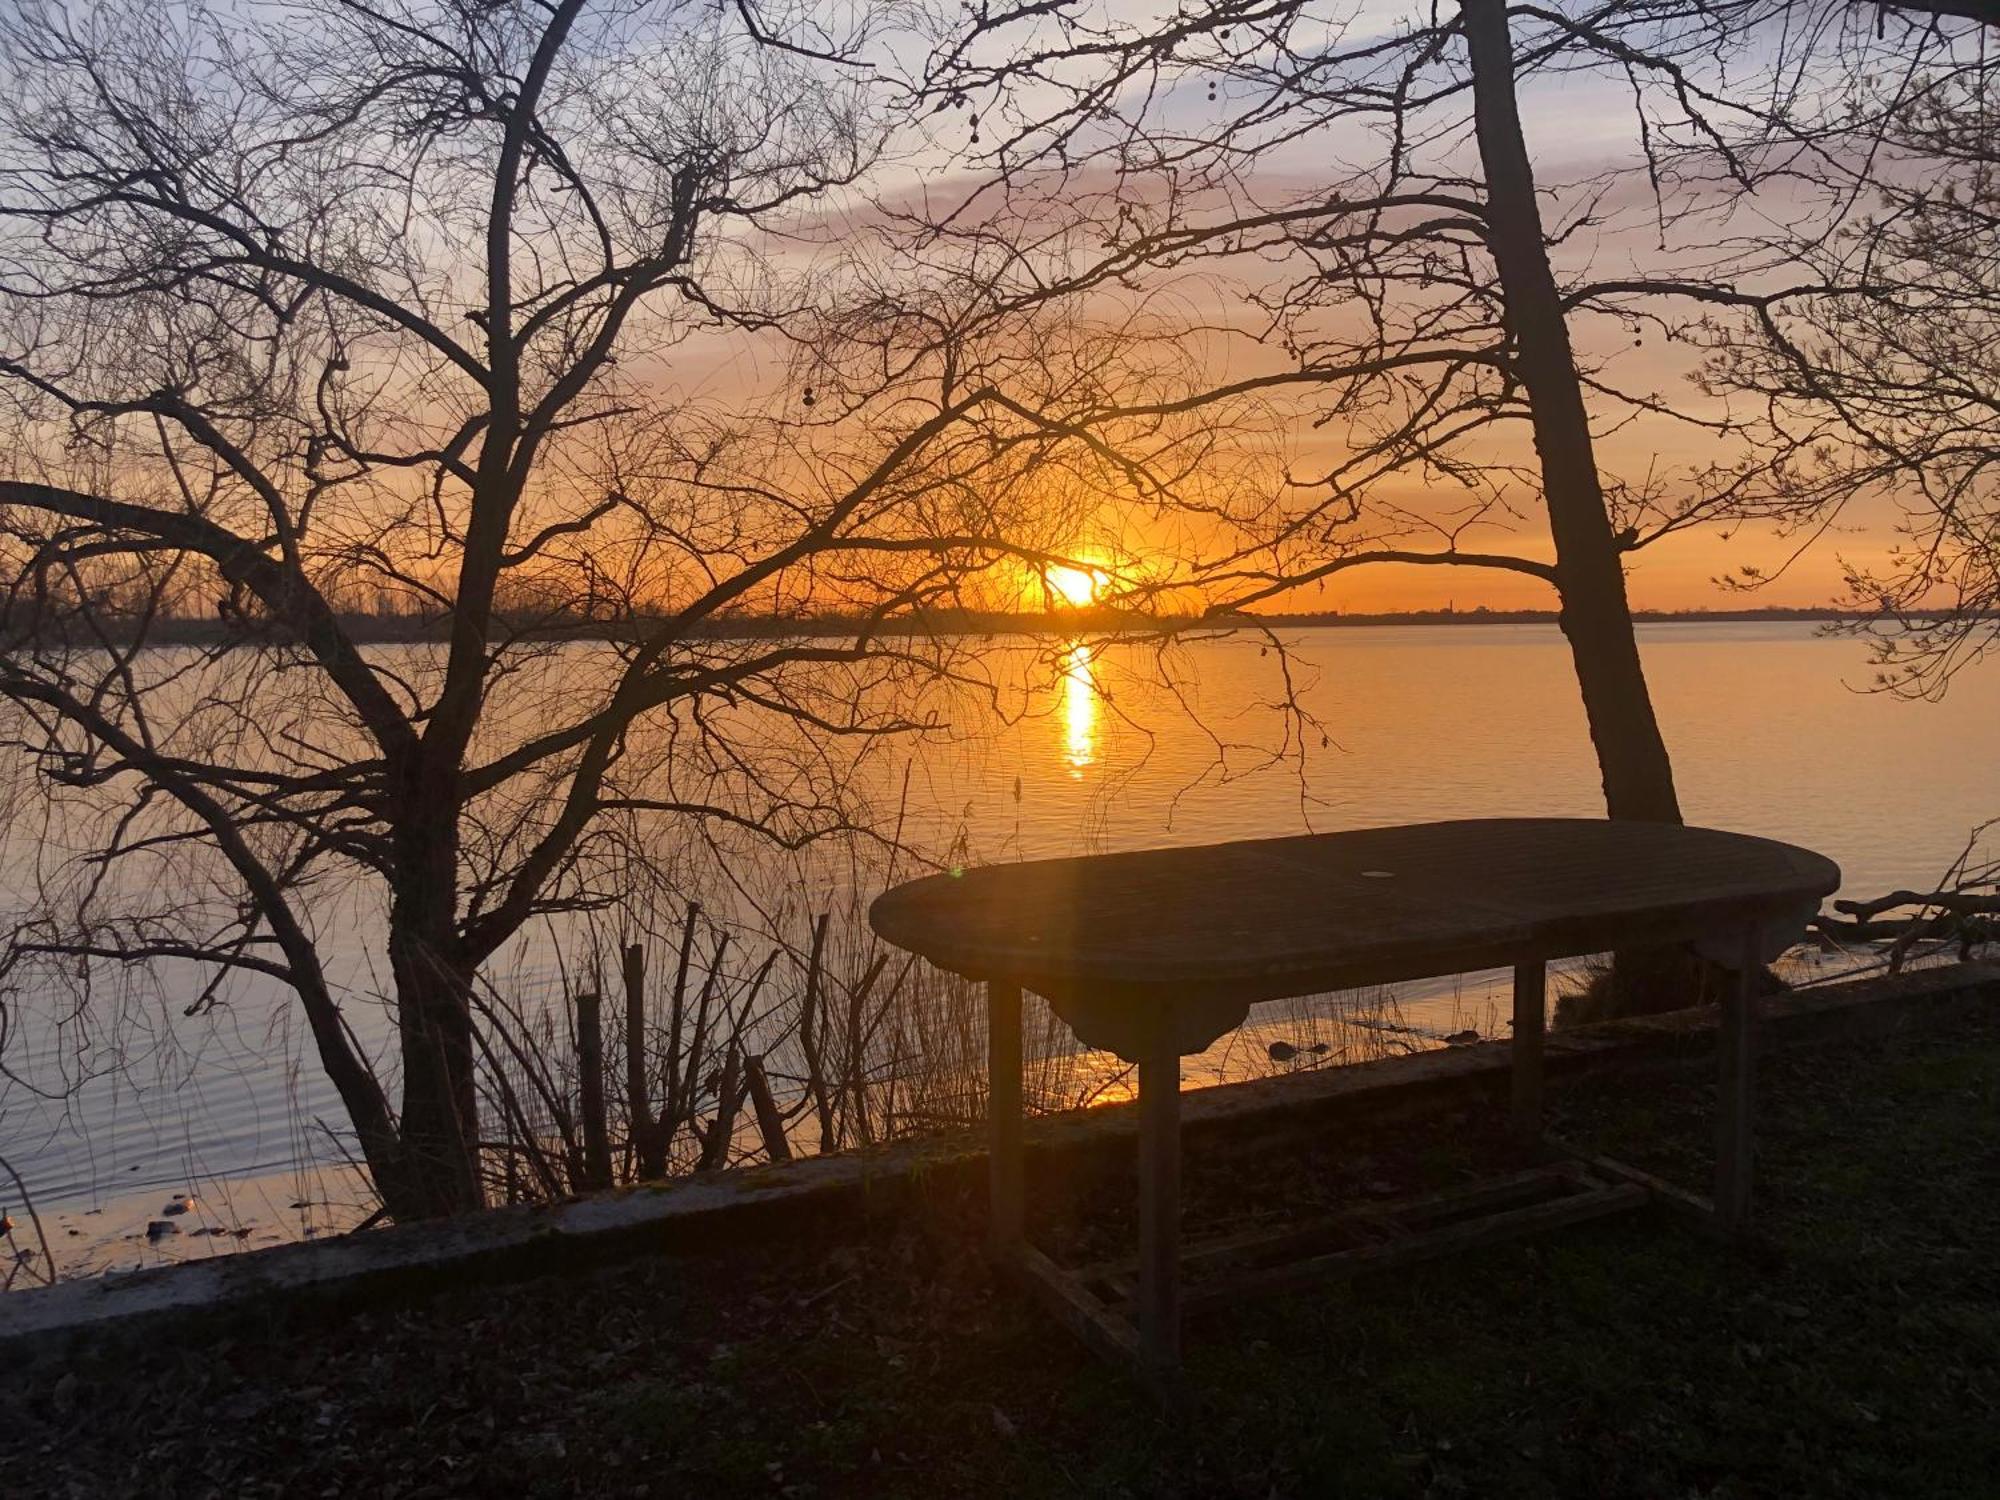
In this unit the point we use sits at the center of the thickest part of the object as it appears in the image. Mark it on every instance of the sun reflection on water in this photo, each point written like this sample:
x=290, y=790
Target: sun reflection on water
x=1080, y=708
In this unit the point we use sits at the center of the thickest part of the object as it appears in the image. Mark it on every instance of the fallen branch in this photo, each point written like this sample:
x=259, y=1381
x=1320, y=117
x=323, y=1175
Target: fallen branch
x=1956, y=921
x=1956, y=903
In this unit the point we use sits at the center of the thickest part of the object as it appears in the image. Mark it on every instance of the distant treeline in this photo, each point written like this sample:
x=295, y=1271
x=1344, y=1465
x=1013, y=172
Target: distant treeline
x=1485, y=616
x=374, y=628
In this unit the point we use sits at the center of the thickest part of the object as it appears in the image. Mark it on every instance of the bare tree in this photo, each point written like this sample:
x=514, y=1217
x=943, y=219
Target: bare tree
x=1464, y=340
x=1880, y=382
x=428, y=319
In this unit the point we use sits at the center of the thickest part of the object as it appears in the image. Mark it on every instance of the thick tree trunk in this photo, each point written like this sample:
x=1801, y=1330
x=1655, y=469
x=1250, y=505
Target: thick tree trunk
x=440, y=1121
x=1596, y=618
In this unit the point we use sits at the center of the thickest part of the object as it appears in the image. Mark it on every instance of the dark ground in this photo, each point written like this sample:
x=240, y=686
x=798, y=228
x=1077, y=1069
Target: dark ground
x=1628, y=1358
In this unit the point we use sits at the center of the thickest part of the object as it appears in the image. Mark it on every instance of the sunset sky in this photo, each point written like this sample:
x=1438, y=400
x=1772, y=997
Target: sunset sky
x=1583, y=136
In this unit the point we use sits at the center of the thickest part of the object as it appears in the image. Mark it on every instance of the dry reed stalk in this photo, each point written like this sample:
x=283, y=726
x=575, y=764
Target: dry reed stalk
x=670, y=1110
x=809, y=1037
x=692, y=1067
x=507, y=1095
x=853, y=1083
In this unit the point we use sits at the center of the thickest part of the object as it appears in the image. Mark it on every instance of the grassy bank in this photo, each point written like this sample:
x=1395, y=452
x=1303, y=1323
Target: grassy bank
x=1631, y=1358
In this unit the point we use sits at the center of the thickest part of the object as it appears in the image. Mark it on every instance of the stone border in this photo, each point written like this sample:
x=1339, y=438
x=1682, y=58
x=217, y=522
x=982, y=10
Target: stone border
x=693, y=1214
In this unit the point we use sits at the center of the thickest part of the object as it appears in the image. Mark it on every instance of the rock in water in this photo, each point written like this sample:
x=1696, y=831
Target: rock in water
x=184, y=1203
x=159, y=1229
x=1282, y=1052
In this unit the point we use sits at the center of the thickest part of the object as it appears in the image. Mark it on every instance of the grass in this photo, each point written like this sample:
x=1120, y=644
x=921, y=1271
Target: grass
x=1626, y=1359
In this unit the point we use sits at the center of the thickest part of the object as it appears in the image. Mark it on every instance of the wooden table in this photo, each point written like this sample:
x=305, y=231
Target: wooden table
x=1153, y=955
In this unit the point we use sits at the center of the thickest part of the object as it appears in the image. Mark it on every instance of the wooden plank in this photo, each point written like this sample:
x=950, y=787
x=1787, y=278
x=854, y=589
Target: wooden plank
x=1065, y=1295
x=1373, y=1223
x=1573, y=1208
x=1697, y=1210
x=1487, y=1193
x=1289, y=1243
x=1736, y=1093
x=1160, y=1199
x=1005, y=1160
x=1120, y=1288
x=1530, y=1020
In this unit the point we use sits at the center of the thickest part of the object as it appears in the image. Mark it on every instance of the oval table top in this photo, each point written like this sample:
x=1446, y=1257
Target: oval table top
x=1214, y=927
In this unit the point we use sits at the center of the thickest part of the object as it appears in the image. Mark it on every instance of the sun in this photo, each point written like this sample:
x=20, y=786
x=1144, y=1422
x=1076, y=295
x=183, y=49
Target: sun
x=1073, y=588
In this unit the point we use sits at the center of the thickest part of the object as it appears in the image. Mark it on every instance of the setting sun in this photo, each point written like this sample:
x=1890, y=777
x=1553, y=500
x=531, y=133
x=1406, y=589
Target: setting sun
x=1073, y=588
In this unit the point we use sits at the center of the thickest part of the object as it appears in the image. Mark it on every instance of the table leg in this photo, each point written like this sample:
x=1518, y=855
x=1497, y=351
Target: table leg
x=1160, y=1201
x=1003, y=1115
x=1736, y=1091
x=1530, y=1021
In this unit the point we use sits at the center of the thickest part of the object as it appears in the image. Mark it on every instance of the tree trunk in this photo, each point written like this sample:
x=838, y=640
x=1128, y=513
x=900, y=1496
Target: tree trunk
x=1596, y=618
x=440, y=1115
x=440, y=1123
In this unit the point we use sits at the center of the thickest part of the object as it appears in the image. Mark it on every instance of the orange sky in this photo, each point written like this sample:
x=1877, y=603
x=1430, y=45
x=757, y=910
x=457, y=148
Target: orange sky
x=1581, y=136
x=1677, y=574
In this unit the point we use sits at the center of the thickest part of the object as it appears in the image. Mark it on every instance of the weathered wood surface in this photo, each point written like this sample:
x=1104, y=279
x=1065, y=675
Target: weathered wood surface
x=1450, y=1239
x=1226, y=924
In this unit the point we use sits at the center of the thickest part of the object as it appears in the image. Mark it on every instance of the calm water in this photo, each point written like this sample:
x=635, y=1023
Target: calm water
x=1766, y=733
x=1420, y=723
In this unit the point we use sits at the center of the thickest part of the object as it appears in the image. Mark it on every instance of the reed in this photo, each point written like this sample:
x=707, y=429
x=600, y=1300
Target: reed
x=750, y=1042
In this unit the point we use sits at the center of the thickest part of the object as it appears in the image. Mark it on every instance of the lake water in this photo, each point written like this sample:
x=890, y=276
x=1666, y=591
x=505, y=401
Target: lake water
x=1767, y=732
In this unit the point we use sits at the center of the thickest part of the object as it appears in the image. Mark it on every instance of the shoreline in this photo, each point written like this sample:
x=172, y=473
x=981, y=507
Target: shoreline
x=379, y=630
x=216, y=1216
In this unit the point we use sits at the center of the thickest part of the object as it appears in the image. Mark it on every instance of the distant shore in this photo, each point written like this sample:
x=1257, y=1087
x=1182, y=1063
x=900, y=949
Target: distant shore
x=1483, y=616
x=395, y=629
